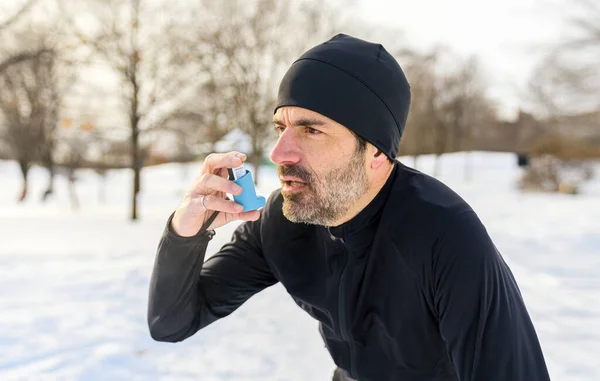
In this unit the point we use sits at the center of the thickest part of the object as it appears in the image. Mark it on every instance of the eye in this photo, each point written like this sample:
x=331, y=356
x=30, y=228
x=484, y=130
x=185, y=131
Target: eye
x=312, y=131
x=279, y=129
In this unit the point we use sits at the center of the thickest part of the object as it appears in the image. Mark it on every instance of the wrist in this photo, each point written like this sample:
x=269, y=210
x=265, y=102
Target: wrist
x=176, y=231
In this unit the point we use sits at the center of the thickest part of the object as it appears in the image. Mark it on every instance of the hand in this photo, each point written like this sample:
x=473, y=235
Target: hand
x=208, y=194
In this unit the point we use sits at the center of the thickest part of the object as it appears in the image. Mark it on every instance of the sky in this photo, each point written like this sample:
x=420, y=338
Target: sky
x=508, y=36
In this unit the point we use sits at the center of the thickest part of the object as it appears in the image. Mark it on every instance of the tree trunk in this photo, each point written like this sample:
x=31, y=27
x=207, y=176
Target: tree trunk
x=135, y=159
x=436, y=165
x=50, y=189
x=72, y=193
x=256, y=163
x=257, y=154
x=257, y=151
x=24, y=171
x=136, y=163
x=49, y=146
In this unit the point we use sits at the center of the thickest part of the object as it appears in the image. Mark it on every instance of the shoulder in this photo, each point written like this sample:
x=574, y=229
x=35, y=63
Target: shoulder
x=422, y=215
x=422, y=206
x=429, y=224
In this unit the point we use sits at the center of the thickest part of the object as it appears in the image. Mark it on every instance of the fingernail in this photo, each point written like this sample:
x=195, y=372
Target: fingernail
x=240, y=155
x=239, y=207
x=237, y=189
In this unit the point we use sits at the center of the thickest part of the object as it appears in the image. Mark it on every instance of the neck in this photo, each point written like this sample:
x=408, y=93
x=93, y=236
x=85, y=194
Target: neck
x=375, y=186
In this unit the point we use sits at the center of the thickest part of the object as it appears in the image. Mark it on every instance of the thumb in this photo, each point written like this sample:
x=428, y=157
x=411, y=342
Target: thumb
x=252, y=215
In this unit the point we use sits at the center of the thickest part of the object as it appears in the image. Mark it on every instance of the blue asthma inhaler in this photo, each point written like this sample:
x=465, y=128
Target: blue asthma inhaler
x=248, y=198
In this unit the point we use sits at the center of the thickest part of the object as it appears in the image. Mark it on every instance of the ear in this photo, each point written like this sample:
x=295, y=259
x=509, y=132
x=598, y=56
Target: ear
x=377, y=158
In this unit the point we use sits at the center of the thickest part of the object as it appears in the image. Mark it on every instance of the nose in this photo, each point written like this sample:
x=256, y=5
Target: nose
x=286, y=151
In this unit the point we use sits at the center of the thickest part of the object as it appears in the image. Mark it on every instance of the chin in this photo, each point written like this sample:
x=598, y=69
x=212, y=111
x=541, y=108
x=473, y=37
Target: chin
x=296, y=213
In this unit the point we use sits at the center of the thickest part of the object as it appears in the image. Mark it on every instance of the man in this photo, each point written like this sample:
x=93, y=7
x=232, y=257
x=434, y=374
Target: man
x=397, y=268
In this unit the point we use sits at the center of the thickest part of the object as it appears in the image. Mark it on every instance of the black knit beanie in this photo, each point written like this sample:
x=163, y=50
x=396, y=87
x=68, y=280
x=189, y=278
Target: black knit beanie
x=354, y=82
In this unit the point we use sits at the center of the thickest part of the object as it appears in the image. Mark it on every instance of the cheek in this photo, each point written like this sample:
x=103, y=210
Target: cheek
x=323, y=157
x=322, y=161
x=325, y=167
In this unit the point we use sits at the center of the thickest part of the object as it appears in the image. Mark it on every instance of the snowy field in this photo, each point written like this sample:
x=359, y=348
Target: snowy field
x=74, y=284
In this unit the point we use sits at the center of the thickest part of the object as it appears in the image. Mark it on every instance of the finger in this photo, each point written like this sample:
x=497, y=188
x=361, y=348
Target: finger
x=222, y=173
x=252, y=215
x=215, y=161
x=212, y=202
x=209, y=183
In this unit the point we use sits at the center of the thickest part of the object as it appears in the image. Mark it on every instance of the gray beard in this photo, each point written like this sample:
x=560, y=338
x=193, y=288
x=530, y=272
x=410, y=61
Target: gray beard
x=326, y=200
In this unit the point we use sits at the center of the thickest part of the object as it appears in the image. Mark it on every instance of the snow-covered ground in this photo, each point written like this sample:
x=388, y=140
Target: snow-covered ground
x=74, y=283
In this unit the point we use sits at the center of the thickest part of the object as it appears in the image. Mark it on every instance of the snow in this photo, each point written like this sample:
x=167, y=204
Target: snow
x=74, y=283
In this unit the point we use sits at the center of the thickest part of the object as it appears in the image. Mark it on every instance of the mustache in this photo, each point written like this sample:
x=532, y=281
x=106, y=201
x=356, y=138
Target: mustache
x=295, y=171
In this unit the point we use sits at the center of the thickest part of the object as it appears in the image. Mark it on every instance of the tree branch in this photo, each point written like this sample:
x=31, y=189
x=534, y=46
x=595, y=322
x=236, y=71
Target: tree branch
x=21, y=57
x=12, y=19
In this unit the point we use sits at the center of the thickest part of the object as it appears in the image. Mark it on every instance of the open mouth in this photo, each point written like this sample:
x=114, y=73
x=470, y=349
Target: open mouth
x=293, y=186
x=294, y=183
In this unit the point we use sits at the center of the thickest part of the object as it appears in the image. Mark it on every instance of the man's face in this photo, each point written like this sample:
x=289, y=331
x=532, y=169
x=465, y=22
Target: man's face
x=321, y=167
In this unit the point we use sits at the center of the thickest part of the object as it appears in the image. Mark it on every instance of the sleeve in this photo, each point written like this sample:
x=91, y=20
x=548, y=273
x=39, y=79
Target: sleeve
x=187, y=293
x=482, y=315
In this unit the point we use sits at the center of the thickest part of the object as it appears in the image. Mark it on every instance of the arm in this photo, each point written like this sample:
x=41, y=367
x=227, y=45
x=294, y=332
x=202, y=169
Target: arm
x=483, y=318
x=187, y=294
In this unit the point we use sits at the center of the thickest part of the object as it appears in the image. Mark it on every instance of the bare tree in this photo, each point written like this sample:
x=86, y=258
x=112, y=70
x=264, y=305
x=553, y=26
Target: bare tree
x=465, y=108
x=581, y=51
x=567, y=80
x=74, y=144
x=449, y=105
x=38, y=52
x=240, y=46
x=11, y=19
x=564, y=93
x=135, y=42
x=198, y=132
x=27, y=104
x=423, y=119
x=20, y=56
x=552, y=90
x=457, y=106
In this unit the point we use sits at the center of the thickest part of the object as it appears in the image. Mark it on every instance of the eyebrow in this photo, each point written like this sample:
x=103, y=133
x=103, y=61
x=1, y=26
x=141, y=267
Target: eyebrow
x=305, y=122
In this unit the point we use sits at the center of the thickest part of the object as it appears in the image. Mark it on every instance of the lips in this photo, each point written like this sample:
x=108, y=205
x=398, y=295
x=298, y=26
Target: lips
x=292, y=184
x=294, y=178
x=292, y=181
x=295, y=183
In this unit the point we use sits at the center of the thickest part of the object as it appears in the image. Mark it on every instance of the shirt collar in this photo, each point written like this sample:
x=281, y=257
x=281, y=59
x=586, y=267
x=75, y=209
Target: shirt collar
x=361, y=225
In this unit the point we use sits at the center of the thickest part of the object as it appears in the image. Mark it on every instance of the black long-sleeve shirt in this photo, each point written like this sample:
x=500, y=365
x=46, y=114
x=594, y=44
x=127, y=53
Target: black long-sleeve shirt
x=411, y=289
